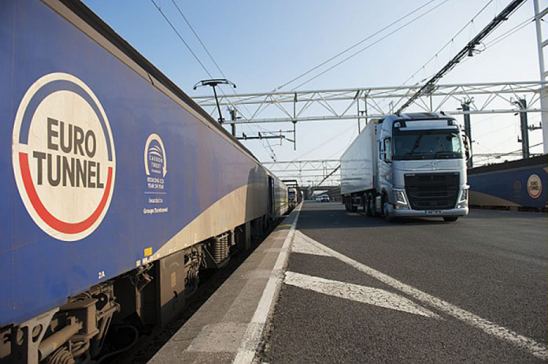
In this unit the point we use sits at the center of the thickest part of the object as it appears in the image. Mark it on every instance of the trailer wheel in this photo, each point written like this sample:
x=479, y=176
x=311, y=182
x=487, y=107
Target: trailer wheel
x=368, y=205
x=374, y=211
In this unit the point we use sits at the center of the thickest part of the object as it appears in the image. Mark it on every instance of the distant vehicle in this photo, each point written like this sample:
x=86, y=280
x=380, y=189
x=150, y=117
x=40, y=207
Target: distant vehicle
x=407, y=165
x=318, y=198
x=292, y=197
x=324, y=198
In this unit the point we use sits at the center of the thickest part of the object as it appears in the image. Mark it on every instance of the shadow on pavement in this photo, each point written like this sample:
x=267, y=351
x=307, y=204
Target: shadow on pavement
x=317, y=215
x=332, y=215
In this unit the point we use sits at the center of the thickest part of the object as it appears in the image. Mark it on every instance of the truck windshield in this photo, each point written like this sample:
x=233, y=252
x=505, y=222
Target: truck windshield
x=427, y=144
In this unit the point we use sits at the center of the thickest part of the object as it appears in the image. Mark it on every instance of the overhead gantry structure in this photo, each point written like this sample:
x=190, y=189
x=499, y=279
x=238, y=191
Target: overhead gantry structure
x=365, y=103
x=374, y=102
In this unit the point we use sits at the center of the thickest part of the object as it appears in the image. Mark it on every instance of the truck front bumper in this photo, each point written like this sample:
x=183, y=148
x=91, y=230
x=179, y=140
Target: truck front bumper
x=428, y=213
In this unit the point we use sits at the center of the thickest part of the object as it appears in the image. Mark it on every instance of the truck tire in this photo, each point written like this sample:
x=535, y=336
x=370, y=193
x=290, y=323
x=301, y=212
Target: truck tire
x=372, y=204
x=387, y=217
x=368, y=205
x=450, y=218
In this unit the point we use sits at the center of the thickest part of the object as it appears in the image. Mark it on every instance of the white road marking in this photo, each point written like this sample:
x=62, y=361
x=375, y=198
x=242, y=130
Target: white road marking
x=300, y=245
x=534, y=348
x=252, y=336
x=369, y=295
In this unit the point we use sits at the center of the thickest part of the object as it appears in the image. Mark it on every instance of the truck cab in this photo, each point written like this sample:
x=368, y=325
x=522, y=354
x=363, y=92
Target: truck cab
x=421, y=166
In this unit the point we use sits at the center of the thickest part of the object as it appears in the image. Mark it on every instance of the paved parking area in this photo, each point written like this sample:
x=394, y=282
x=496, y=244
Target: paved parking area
x=359, y=289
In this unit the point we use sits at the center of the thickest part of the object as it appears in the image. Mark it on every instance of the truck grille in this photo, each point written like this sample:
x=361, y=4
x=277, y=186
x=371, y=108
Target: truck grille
x=432, y=191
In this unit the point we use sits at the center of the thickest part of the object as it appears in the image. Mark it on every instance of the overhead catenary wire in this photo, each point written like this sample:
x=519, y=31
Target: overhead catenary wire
x=180, y=11
x=510, y=32
x=370, y=45
x=323, y=144
x=467, y=50
x=354, y=45
x=471, y=21
x=268, y=147
x=181, y=38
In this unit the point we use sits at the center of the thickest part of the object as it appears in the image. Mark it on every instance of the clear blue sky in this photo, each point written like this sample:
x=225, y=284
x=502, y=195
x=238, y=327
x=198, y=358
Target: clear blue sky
x=259, y=45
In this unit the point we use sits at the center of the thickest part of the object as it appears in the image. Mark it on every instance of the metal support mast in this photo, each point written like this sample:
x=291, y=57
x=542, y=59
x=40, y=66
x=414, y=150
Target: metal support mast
x=544, y=90
x=468, y=129
x=233, y=118
x=524, y=128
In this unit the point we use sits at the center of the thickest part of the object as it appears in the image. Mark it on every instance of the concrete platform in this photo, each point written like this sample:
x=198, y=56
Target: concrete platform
x=229, y=326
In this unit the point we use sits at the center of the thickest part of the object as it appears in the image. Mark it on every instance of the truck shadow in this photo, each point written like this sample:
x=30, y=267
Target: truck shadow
x=316, y=215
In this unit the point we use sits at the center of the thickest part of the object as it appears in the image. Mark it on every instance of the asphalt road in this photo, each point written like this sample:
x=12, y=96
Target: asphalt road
x=359, y=289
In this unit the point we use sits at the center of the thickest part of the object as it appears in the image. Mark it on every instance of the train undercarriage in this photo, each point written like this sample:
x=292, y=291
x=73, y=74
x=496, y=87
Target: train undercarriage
x=152, y=294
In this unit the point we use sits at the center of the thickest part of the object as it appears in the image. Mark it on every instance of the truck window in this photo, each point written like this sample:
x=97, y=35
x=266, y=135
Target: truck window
x=427, y=144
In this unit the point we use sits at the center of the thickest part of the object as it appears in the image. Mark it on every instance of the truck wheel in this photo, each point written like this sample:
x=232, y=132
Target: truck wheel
x=368, y=207
x=385, y=214
x=450, y=218
x=384, y=205
x=346, y=205
x=372, y=205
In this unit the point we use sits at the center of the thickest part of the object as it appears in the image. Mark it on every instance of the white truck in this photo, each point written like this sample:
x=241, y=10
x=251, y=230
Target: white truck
x=407, y=165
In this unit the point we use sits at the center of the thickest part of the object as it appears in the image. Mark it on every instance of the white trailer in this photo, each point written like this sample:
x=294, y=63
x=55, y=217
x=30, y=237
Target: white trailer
x=407, y=165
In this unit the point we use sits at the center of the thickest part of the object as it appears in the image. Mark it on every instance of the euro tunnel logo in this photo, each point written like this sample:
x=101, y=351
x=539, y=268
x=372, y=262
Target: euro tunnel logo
x=155, y=191
x=534, y=186
x=155, y=156
x=63, y=156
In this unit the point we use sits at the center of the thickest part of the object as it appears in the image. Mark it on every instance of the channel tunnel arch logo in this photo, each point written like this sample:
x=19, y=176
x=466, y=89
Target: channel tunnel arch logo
x=63, y=156
x=155, y=156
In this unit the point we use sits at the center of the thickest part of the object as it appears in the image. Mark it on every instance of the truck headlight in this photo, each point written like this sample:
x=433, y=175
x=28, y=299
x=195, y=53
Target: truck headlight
x=400, y=199
x=464, y=194
x=463, y=199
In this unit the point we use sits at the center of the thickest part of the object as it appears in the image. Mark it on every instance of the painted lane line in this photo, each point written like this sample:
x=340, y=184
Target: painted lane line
x=252, y=337
x=300, y=245
x=534, y=348
x=368, y=295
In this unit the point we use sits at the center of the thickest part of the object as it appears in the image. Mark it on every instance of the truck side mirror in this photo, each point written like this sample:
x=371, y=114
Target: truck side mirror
x=467, y=149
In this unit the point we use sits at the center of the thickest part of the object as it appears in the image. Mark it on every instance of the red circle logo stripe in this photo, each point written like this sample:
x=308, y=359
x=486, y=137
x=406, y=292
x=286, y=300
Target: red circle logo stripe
x=52, y=221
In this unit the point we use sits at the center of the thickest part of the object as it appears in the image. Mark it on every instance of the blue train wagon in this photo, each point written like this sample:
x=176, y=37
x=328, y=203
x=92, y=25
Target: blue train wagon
x=118, y=187
x=520, y=184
